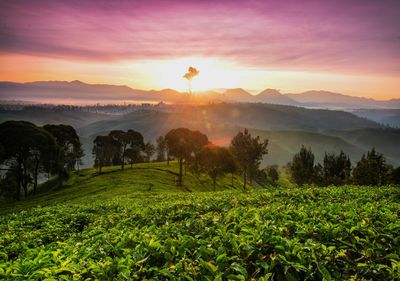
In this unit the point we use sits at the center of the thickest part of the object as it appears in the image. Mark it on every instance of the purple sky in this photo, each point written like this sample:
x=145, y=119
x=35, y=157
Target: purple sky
x=359, y=37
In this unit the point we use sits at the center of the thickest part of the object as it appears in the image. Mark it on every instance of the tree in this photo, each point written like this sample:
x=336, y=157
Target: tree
x=133, y=155
x=215, y=161
x=302, y=167
x=105, y=148
x=26, y=146
x=161, y=148
x=181, y=144
x=126, y=140
x=69, y=152
x=272, y=174
x=192, y=72
x=122, y=138
x=149, y=151
x=337, y=169
x=248, y=152
x=395, y=176
x=1, y=153
x=371, y=169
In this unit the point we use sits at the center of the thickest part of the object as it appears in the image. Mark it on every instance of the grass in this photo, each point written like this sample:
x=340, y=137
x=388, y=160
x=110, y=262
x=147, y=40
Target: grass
x=114, y=227
x=143, y=179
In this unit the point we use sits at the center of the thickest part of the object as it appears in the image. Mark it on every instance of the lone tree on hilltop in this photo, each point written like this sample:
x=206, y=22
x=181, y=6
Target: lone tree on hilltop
x=192, y=72
x=248, y=152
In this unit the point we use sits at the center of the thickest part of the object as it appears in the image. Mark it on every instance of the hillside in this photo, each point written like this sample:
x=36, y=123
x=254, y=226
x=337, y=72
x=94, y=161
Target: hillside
x=138, y=225
x=142, y=179
x=287, y=127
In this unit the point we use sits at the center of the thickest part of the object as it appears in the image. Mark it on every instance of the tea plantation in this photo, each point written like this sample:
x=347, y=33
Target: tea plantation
x=137, y=225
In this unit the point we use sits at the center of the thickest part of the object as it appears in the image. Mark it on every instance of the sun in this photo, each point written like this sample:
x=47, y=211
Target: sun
x=214, y=74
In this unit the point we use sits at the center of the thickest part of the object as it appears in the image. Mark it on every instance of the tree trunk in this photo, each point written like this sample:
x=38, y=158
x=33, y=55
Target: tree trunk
x=35, y=183
x=180, y=171
x=123, y=158
x=25, y=181
x=19, y=179
x=232, y=179
x=167, y=158
x=244, y=179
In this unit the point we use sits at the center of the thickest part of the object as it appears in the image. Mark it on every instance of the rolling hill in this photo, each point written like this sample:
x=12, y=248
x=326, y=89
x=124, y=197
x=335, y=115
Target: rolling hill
x=286, y=127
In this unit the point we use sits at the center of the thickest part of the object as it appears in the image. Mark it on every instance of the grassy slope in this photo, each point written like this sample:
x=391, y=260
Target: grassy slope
x=142, y=179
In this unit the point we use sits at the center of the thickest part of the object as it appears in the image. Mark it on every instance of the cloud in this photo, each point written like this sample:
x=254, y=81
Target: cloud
x=361, y=36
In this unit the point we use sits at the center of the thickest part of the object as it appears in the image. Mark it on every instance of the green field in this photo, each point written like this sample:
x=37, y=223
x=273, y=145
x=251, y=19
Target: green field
x=138, y=224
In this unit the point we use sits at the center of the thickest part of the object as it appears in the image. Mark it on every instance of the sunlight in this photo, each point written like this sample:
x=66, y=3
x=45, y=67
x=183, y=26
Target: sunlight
x=214, y=73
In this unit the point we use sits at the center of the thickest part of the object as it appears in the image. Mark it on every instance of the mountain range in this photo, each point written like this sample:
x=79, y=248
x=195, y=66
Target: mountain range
x=77, y=91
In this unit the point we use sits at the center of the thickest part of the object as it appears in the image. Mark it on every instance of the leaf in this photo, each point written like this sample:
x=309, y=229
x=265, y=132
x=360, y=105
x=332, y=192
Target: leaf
x=237, y=267
x=324, y=272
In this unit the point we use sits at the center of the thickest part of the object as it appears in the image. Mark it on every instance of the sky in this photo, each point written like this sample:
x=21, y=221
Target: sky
x=346, y=46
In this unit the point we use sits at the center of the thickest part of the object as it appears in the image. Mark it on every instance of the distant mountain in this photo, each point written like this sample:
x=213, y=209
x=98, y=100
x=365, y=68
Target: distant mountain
x=61, y=91
x=238, y=95
x=325, y=99
x=275, y=97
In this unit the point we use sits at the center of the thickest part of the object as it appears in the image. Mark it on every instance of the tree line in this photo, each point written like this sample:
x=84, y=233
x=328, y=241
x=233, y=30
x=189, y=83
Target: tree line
x=192, y=150
x=28, y=152
x=337, y=169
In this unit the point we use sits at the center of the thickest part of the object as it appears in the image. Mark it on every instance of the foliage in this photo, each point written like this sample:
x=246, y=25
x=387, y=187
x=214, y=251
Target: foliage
x=215, y=161
x=26, y=148
x=127, y=232
x=301, y=168
x=337, y=169
x=69, y=151
x=183, y=143
x=126, y=140
x=148, y=151
x=161, y=149
x=105, y=149
x=371, y=169
x=248, y=152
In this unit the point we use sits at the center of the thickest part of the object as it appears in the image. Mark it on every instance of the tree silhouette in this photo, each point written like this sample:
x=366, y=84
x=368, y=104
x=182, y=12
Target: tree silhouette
x=302, y=168
x=181, y=143
x=26, y=146
x=215, y=161
x=149, y=150
x=248, y=152
x=69, y=150
x=192, y=72
x=371, y=169
x=161, y=148
x=104, y=150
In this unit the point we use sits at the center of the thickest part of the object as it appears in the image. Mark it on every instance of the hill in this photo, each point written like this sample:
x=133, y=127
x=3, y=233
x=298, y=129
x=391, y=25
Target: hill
x=138, y=225
x=287, y=127
x=326, y=99
x=77, y=92
x=141, y=179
